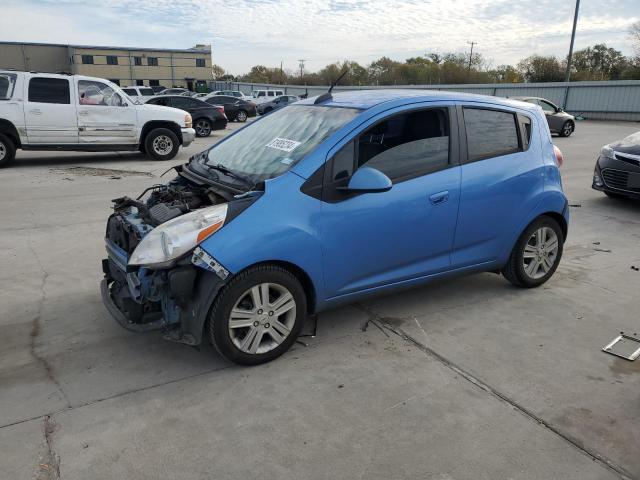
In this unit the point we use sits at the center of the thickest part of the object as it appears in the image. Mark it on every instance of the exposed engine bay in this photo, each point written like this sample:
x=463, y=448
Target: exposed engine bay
x=162, y=297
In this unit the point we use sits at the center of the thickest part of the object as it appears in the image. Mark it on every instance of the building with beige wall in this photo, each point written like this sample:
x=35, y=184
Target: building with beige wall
x=189, y=68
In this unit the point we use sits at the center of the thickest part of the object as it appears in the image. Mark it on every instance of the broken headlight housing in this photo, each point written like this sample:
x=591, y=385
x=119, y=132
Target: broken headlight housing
x=169, y=241
x=607, y=152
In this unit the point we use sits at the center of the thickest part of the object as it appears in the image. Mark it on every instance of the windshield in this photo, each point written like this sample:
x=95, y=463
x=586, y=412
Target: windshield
x=7, y=84
x=273, y=144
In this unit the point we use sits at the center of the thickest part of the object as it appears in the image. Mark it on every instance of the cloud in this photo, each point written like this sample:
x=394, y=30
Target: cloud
x=248, y=32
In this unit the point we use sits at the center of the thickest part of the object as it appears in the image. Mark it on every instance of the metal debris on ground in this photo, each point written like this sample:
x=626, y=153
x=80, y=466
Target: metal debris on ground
x=624, y=346
x=576, y=205
x=633, y=267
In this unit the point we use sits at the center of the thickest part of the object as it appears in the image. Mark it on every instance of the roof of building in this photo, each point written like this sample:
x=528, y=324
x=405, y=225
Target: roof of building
x=199, y=49
x=364, y=99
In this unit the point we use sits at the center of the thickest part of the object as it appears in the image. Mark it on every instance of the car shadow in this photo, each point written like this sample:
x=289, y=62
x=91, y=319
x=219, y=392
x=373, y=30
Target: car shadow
x=66, y=159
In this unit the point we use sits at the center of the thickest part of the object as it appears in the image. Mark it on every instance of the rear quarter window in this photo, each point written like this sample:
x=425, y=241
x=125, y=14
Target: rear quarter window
x=490, y=133
x=49, y=90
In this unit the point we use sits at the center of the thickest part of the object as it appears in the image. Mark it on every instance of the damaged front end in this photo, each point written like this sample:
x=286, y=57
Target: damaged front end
x=155, y=274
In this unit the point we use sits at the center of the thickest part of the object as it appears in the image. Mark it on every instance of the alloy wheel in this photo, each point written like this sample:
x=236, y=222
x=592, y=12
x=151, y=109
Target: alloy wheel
x=203, y=128
x=241, y=116
x=567, y=129
x=3, y=151
x=262, y=318
x=540, y=253
x=162, y=145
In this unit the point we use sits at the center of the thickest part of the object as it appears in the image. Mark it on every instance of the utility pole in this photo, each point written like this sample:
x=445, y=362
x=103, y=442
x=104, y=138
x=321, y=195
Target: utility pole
x=281, y=74
x=471, y=54
x=301, y=62
x=567, y=74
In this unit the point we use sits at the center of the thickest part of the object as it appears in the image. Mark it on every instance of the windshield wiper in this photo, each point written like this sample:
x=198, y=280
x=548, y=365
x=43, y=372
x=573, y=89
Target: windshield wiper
x=227, y=171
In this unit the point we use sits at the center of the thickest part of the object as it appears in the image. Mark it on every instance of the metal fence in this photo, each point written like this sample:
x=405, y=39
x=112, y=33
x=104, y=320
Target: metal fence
x=612, y=100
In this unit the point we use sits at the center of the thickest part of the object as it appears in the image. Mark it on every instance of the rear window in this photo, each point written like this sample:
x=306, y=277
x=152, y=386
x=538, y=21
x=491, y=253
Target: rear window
x=7, y=84
x=490, y=133
x=146, y=91
x=49, y=90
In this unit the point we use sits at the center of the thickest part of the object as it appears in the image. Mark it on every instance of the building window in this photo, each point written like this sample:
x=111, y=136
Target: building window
x=115, y=80
x=152, y=61
x=154, y=83
x=140, y=83
x=200, y=62
x=112, y=60
x=87, y=59
x=137, y=61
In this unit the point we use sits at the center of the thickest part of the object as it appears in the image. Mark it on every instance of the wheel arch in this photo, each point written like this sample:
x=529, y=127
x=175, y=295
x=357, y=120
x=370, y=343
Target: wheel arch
x=301, y=275
x=153, y=124
x=9, y=130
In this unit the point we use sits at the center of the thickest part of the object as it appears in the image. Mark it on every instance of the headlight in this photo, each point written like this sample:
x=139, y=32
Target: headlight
x=188, y=121
x=607, y=151
x=178, y=236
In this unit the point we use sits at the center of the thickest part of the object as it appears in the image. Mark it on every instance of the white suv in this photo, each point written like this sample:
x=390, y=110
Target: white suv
x=138, y=93
x=262, y=96
x=41, y=111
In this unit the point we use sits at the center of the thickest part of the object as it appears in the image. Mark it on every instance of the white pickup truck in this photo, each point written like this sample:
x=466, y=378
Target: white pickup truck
x=42, y=111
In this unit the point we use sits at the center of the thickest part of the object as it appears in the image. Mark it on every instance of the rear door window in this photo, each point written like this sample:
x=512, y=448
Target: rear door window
x=130, y=91
x=490, y=133
x=49, y=90
x=146, y=92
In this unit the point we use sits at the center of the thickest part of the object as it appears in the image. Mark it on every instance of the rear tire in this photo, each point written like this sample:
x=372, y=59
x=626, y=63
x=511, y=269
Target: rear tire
x=533, y=262
x=241, y=116
x=161, y=144
x=567, y=129
x=245, y=325
x=203, y=127
x=7, y=151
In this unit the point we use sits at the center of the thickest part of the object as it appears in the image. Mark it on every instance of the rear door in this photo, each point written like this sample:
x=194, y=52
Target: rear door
x=50, y=112
x=501, y=173
x=104, y=116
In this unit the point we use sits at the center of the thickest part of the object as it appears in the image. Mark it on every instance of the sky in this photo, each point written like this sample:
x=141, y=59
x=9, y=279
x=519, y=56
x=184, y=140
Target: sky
x=244, y=33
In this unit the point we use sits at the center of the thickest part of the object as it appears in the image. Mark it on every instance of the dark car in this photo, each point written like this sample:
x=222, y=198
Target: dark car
x=617, y=171
x=205, y=117
x=559, y=121
x=276, y=103
x=235, y=108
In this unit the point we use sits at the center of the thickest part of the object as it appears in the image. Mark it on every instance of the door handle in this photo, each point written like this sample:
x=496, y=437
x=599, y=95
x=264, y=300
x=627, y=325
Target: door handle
x=440, y=197
x=35, y=111
x=84, y=113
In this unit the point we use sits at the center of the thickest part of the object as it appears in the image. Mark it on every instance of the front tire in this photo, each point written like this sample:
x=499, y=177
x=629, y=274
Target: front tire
x=258, y=315
x=567, y=129
x=536, y=254
x=161, y=144
x=7, y=151
x=203, y=127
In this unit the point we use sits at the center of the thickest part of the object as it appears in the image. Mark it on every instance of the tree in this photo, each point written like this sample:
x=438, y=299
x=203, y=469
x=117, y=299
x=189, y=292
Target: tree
x=538, y=68
x=217, y=71
x=598, y=63
x=506, y=74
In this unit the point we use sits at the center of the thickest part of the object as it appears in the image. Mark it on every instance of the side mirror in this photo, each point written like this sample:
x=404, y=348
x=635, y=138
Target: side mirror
x=560, y=110
x=368, y=180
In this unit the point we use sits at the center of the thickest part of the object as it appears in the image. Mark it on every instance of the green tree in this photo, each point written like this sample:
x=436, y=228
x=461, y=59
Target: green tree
x=538, y=68
x=598, y=63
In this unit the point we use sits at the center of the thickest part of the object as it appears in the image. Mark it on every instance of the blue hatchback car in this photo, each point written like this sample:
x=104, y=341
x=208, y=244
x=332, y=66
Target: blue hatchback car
x=329, y=201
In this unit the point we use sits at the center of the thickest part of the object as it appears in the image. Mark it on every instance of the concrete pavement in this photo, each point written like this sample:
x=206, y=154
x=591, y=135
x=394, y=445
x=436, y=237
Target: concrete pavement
x=464, y=379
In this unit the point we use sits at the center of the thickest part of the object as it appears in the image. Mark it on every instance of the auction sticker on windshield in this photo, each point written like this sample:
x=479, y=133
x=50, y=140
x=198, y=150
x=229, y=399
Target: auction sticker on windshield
x=283, y=144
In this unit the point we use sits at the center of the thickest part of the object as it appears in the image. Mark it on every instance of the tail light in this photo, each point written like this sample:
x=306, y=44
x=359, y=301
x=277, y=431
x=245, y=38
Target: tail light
x=559, y=156
x=220, y=108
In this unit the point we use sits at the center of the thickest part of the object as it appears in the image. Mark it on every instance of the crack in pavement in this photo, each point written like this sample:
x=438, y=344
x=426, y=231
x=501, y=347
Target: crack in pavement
x=593, y=454
x=49, y=465
x=36, y=326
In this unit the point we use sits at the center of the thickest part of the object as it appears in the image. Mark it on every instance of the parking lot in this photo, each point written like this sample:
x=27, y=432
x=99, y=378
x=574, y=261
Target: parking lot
x=470, y=378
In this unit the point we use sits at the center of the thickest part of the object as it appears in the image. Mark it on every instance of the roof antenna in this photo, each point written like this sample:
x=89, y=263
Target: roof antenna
x=328, y=96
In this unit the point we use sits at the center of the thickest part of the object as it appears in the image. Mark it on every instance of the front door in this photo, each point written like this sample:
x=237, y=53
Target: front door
x=50, y=114
x=104, y=117
x=381, y=238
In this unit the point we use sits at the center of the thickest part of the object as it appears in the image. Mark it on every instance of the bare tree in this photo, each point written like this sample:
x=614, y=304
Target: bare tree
x=634, y=33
